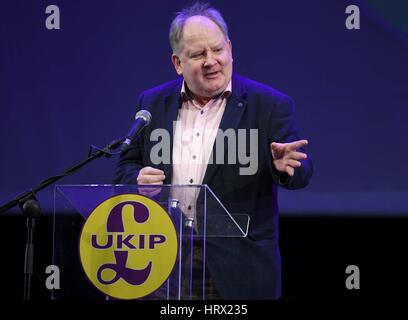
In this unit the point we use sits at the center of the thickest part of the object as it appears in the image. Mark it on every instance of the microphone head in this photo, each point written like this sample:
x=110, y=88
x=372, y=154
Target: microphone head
x=145, y=116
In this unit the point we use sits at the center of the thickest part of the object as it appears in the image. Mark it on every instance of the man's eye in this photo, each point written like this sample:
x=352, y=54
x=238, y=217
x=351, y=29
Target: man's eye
x=197, y=55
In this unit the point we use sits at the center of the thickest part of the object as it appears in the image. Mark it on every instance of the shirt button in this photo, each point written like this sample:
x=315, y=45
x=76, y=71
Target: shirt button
x=198, y=134
x=189, y=207
x=194, y=157
x=191, y=180
x=240, y=104
x=202, y=112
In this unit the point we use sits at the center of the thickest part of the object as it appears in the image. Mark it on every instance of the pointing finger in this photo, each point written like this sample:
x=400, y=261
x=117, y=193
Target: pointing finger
x=297, y=144
x=277, y=146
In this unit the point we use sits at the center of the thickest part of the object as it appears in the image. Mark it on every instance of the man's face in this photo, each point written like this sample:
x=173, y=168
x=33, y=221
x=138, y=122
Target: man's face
x=205, y=57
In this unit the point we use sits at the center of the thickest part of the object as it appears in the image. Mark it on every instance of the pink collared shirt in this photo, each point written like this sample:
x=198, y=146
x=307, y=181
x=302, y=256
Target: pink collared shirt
x=194, y=136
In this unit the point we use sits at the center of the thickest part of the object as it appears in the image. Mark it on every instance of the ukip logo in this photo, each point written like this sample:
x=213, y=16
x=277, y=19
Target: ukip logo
x=128, y=246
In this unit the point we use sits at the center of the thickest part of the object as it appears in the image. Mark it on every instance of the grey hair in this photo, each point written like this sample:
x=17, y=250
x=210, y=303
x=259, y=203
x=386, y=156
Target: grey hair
x=197, y=9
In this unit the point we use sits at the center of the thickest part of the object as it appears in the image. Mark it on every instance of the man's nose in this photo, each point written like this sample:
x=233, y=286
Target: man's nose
x=209, y=60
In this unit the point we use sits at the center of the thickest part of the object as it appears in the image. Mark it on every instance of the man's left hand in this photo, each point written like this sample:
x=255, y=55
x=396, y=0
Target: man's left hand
x=286, y=158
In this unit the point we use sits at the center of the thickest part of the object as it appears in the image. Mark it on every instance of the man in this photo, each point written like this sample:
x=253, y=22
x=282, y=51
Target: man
x=210, y=97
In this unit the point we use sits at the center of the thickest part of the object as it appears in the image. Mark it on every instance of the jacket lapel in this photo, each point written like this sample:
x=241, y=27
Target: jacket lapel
x=172, y=105
x=234, y=110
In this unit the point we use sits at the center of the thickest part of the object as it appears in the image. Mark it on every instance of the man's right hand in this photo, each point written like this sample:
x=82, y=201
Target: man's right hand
x=149, y=175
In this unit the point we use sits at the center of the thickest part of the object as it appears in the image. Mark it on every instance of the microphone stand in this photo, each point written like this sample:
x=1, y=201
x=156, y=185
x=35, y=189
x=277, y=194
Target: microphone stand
x=31, y=208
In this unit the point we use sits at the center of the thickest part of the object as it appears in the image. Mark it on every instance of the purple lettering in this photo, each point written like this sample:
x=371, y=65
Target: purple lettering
x=121, y=241
x=155, y=239
x=98, y=246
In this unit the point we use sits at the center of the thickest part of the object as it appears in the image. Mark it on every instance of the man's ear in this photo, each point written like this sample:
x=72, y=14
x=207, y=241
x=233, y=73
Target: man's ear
x=177, y=64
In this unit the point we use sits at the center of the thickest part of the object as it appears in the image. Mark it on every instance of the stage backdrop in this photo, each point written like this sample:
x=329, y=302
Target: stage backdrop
x=62, y=90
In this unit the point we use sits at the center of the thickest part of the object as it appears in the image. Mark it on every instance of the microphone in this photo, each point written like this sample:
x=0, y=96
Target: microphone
x=142, y=119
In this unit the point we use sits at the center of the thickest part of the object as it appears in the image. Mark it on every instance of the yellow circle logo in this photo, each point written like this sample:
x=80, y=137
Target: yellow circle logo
x=128, y=246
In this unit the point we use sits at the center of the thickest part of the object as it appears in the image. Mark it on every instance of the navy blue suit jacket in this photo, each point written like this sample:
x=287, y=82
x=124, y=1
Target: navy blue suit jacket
x=242, y=268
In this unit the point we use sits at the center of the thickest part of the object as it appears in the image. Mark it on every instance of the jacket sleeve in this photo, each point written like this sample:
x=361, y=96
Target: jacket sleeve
x=131, y=159
x=282, y=129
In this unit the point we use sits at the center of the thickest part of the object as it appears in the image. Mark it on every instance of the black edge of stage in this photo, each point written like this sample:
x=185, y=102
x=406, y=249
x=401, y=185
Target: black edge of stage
x=315, y=254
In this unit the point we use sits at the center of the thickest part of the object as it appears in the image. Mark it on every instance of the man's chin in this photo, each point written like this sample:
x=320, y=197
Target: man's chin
x=215, y=90
x=212, y=93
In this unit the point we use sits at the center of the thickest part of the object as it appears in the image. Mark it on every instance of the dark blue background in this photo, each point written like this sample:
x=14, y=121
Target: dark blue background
x=62, y=90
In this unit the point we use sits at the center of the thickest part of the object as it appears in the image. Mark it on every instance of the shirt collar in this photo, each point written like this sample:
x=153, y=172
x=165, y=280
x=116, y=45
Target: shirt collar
x=186, y=94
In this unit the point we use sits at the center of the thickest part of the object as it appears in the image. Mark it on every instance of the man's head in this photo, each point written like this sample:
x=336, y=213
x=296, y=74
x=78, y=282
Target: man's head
x=202, y=51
